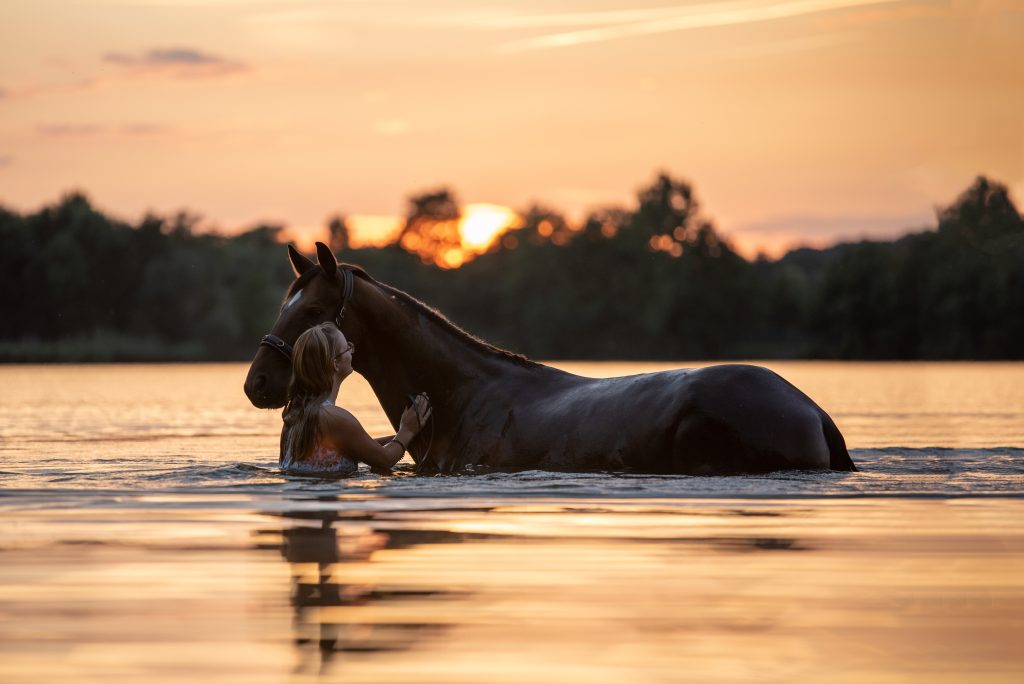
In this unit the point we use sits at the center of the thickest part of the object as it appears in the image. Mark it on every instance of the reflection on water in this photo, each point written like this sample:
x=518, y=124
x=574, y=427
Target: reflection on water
x=510, y=590
x=148, y=537
x=611, y=591
x=324, y=605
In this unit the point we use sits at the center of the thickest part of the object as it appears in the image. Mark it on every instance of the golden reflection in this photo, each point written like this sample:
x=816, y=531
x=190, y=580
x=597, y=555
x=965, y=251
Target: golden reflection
x=612, y=591
x=589, y=590
x=335, y=614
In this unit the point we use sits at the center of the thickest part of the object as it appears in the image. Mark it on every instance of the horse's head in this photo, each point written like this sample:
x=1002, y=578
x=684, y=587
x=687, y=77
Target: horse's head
x=318, y=294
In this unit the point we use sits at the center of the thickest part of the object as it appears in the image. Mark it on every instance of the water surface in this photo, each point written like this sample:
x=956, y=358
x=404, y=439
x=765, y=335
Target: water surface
x=145, y=534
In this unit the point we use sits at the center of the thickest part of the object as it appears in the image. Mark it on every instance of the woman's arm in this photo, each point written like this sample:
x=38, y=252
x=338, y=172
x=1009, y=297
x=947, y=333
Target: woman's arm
x=342, y=429
x=345, y=431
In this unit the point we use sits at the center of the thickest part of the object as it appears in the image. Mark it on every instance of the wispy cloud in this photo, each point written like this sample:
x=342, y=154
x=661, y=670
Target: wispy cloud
x=42, y=89
x=632, y=23
x=82, y=130
x=202, y=4
x=179, y=61
x=174, y=63
x=503, y=21
x=782, y=47
x=144, y=129
x=69, y=130
x=777, y=235
x=836, y=226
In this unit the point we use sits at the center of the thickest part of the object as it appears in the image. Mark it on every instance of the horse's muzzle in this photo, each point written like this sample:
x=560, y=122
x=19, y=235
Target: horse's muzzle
x=260, y=394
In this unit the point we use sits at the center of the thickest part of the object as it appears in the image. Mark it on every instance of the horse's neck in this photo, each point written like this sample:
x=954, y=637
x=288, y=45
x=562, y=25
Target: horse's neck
x=410, y=352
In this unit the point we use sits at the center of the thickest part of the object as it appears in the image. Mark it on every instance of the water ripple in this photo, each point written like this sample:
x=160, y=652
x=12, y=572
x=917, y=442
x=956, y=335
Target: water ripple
x=885, y=472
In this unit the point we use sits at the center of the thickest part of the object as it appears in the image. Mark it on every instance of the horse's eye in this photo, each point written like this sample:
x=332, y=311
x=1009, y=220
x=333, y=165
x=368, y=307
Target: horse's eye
x=316, y=311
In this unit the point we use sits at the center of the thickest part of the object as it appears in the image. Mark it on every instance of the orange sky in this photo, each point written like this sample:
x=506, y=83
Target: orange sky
x=796, y=120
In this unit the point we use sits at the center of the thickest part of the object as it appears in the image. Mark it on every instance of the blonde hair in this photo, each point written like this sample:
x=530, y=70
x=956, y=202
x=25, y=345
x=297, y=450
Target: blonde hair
x=312, y=377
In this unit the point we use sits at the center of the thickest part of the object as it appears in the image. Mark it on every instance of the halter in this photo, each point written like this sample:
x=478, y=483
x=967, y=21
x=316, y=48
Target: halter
x=347, y=289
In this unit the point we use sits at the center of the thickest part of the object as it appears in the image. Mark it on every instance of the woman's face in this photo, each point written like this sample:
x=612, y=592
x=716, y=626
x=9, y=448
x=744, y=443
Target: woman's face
x=343, y=360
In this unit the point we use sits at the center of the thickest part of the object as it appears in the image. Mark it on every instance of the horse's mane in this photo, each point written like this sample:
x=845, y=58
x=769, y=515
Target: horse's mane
x=442, y=320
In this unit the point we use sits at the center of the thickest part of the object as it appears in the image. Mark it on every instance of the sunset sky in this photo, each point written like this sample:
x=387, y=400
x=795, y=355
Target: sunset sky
x=797, y=120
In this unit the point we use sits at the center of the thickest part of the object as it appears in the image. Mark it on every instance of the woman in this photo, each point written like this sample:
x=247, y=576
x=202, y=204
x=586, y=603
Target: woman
x=317, y=435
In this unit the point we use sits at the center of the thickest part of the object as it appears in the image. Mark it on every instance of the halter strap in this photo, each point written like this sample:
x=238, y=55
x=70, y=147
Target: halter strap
x=277, y=344
x=348, y=287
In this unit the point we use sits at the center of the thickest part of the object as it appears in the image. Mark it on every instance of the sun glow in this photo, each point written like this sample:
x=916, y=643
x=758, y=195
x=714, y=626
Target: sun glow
x=447, y=244
x=373, y=230
x=482, y=223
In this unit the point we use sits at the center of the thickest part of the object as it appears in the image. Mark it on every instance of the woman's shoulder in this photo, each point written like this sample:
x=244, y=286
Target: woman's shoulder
x=332, y=412
x=335, y=419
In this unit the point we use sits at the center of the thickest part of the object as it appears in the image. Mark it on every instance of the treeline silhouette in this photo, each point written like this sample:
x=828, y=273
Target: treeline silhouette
x=654, y=282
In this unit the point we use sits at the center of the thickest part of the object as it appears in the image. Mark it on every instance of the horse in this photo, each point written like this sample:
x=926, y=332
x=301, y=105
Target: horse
x=494, y=409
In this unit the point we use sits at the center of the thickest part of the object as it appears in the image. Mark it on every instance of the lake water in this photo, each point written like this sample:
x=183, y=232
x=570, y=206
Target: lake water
x=146, y=535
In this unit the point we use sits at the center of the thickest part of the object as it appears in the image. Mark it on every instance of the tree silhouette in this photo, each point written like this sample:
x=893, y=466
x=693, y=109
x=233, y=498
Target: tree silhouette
x=667, y=207
x=338, y=233
x=431, y=228
x=653, y=282
x=982, y=212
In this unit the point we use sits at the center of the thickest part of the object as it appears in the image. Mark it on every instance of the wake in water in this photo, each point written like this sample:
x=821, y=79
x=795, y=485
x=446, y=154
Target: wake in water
x=888, y=472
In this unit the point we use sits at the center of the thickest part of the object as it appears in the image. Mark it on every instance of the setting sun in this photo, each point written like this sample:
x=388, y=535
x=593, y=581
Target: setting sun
x=482, y=223
x=449, y=236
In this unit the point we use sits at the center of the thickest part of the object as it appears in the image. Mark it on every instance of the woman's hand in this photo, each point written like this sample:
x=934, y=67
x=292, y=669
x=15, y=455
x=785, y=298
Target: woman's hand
x=416, y=415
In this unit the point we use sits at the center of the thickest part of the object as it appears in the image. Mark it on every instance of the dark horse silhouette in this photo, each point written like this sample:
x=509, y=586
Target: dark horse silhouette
x=497, y=409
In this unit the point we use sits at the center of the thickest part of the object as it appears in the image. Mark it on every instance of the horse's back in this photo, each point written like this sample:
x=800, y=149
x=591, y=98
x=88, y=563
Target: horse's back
x=722, y=419
x=599, y=423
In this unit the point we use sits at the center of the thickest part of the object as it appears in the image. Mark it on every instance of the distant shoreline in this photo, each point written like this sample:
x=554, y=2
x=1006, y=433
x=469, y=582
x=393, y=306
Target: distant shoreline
x=657, y=282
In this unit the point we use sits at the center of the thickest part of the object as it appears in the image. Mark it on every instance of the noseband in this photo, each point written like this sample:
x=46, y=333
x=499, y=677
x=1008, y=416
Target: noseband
x=347, y=288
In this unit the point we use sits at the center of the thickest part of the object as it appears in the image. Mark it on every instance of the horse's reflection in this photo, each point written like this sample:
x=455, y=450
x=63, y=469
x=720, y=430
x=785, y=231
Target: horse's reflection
x=328, y=616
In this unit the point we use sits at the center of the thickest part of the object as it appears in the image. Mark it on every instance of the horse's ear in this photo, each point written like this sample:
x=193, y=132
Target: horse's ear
x=327, y=261
x=300, y=264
